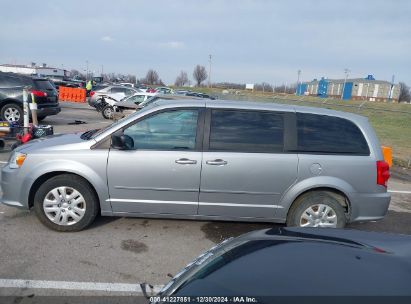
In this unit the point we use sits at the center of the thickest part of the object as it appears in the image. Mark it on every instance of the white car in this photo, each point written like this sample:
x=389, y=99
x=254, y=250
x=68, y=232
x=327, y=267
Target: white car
x=108, y=108
x=117, y=92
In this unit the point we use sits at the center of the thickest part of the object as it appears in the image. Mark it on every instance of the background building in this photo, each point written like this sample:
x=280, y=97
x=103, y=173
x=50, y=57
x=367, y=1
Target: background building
x=351, y=89
x=33, y=69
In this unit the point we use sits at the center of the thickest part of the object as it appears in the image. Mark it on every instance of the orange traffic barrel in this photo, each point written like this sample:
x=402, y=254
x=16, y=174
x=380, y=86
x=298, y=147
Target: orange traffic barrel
x=387, y=153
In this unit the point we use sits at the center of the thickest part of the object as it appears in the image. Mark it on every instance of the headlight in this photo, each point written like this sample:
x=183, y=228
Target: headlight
x=16, y=160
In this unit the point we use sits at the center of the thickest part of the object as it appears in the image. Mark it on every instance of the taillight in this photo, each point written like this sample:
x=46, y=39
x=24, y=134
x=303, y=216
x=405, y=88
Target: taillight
x=383, y=173
x=92, y=93
x=39, y=93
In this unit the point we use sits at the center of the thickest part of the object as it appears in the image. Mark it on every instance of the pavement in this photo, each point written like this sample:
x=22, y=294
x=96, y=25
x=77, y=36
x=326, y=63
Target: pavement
x=115, y=255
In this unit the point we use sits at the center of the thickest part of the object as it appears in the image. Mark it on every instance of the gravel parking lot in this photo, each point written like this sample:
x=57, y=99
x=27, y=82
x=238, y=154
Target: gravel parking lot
x=124, y=251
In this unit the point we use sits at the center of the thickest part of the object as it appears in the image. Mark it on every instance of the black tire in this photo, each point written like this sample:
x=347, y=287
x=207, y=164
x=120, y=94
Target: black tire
x=313, y=198
x=107, y=112
x=10, y=108
x=82, y=186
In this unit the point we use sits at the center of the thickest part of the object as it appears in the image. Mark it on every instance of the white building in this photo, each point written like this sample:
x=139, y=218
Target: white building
x=33, y=69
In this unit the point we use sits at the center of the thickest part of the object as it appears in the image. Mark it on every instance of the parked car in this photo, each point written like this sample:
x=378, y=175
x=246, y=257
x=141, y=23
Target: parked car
x=162, y=97
x=11, y=96
x=99, y=87
x=127, y=84
x=138, y=98
x=201, y=159
x=164, y=90
x=127, y=108
x=119, y=91
x=141, y=87
x=202, y=95
x=64, y=83
x=181, y=92
x=298, y=262
x=110, y=105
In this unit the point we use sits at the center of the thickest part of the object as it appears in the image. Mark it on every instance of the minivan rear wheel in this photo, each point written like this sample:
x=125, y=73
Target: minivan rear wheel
x=316, y=209
x=66, y=203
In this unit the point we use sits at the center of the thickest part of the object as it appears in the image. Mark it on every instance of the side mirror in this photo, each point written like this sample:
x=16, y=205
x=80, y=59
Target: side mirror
x=121, y=141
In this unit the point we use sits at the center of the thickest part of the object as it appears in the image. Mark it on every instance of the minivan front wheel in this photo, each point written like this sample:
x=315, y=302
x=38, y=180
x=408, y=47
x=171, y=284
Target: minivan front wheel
x=66, y=203
x=316, y=209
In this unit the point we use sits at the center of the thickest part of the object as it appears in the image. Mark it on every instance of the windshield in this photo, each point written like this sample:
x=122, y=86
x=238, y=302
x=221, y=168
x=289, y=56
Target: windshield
x=118, y=122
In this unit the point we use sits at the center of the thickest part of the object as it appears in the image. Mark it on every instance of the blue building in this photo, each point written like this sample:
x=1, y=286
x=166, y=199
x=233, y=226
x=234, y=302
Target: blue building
x=351, y=89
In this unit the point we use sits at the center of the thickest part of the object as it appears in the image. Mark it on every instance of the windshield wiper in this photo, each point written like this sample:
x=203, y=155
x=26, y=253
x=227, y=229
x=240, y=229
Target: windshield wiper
x=87, y=135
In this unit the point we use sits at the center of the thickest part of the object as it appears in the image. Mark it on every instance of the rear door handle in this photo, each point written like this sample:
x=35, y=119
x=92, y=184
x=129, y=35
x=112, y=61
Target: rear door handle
x=186, y=161
x=217, y=162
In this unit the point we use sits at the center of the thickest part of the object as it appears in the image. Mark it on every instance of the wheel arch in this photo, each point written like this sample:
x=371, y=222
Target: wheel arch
x=338, y=188
x=42, y=178
x=8, y=101
x=339, y=195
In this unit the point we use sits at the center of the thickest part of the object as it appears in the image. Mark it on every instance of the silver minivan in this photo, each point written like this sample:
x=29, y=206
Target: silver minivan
x=208, y=160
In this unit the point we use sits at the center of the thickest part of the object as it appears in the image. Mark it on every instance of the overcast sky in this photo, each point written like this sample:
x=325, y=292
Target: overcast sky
x=250, y=41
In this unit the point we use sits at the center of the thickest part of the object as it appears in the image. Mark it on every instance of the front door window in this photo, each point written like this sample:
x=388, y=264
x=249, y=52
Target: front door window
x=173, y=130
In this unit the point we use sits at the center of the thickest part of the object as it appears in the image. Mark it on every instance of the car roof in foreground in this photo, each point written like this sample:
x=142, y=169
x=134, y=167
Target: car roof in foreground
x=304, y=261
x=385, y=241
x=267, y=106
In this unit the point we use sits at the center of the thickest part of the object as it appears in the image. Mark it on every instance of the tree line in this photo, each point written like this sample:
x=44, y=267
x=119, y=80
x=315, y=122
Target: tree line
x=152, y=77
x=200, y=75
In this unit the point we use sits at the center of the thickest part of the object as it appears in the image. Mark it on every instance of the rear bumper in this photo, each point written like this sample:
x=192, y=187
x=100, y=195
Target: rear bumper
x=48, y=111
x=369, y=206
x=92, y=101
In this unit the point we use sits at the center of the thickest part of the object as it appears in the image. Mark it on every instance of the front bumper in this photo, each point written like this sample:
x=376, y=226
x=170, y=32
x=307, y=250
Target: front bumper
x=15, y=193
x=369, y=206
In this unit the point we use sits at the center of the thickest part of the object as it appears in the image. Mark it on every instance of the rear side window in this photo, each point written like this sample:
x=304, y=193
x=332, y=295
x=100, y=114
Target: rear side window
x=329, y=135
x=43, y=85
x=246, y=131
x=10, y=82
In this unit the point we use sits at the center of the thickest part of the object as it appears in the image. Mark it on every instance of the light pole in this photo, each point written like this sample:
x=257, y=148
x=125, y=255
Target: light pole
x=346, y=72
x=86, y=70
x=209, y=72
x=298, y=89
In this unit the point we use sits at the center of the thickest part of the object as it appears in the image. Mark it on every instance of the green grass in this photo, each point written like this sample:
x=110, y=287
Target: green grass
x=391, y=121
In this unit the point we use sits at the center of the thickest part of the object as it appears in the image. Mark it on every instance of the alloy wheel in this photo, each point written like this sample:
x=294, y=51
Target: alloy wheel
x=12, y=114
x=319, y=215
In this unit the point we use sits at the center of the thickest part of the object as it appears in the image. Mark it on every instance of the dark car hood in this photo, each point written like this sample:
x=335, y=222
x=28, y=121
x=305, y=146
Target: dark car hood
x=384, y=242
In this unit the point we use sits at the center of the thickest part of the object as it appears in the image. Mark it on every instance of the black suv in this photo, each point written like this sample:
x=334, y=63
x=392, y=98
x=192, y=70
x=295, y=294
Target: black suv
x=11, y=96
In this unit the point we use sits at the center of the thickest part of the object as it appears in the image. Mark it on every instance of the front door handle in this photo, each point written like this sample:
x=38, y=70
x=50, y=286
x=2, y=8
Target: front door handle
x=217, y=162
x=186, y=161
